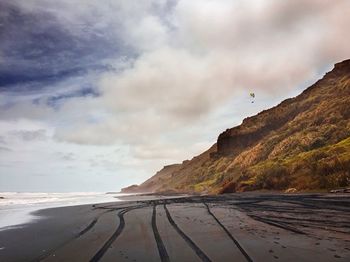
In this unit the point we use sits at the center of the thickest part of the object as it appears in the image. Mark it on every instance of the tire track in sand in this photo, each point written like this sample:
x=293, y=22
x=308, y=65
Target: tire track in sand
x=188, y=240
x=245, y=254
x=115, y=235
x=81, y=233
x=164, y=257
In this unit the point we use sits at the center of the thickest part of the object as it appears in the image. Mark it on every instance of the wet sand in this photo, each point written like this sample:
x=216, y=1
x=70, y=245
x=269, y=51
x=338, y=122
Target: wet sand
x=234, y=227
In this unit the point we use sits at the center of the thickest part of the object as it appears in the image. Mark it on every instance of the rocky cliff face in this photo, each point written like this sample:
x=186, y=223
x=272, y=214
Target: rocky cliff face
x=302, y=143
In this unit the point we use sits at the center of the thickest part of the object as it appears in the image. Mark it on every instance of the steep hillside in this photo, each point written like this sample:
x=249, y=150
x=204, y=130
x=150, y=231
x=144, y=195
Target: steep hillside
x=159, y=181
x=302, y=143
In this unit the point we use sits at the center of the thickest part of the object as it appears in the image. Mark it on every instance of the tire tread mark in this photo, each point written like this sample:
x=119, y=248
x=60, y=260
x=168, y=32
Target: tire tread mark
x=277, y=224
x=189, y=241
x=245, y=254
x=164, y=257
x=88, y=228
x=115, y=235
x=84, y=231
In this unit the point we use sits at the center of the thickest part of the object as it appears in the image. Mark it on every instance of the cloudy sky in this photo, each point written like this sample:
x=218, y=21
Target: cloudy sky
x=96, y=95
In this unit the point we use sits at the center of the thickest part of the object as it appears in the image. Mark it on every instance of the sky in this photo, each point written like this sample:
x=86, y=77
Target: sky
x=96, y=95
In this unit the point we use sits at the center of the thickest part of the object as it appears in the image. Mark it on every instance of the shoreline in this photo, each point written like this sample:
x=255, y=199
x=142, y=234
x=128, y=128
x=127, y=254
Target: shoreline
x=262, y=227
x=21, y=209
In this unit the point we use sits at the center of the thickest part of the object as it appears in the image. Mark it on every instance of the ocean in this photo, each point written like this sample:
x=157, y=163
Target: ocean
x=16, y=207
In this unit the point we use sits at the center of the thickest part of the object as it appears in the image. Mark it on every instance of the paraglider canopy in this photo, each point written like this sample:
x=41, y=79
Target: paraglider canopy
x=252, y=95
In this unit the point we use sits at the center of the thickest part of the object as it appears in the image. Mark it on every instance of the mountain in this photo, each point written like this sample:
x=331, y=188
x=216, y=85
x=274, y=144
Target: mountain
x=302, y=144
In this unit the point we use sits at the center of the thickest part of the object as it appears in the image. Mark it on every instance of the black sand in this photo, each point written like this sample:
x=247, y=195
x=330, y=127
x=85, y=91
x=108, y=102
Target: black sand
x=246, y=227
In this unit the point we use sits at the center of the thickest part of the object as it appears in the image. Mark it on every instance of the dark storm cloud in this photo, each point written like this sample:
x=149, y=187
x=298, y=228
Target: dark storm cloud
x=54, y=101
x=35, y=49
x=31, y=80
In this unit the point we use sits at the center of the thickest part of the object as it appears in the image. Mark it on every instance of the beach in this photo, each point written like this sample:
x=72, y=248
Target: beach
x=232, y=227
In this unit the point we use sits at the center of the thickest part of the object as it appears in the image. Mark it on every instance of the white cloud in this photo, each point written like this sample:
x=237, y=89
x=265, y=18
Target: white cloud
x=191, y=67
x=211, y=51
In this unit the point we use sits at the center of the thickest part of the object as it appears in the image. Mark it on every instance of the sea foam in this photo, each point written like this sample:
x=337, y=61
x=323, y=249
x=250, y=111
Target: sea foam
x=16, y=208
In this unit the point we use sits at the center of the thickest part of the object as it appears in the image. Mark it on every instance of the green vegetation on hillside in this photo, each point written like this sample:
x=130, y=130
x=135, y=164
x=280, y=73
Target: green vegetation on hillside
x=323, y=168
